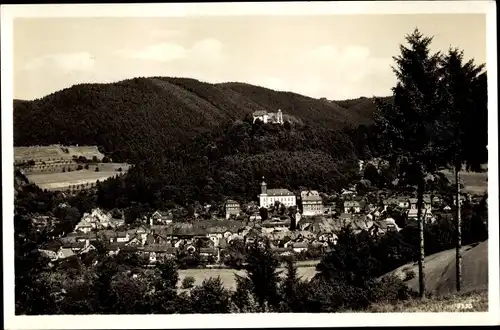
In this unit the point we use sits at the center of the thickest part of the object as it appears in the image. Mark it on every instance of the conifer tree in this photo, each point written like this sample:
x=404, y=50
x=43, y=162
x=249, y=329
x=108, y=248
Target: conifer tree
x=409, y=125
x=464, y=88
x=262, y=272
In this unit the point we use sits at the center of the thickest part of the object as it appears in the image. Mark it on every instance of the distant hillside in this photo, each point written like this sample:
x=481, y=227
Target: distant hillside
x=133, y=118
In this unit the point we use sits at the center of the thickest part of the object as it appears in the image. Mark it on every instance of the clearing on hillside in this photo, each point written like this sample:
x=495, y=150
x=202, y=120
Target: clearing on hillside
x=61, y=181
x=474, y=183
x=55, y=152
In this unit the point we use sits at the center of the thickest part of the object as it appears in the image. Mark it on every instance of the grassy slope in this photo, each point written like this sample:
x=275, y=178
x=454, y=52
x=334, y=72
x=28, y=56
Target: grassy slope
x=440, y=270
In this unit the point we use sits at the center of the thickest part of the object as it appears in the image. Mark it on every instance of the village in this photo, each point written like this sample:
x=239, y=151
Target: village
x=292, y=224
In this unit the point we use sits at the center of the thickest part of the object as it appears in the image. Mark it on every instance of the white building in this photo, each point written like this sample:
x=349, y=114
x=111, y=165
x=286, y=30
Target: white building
x=268, y=197
x=312, y=204
x=261, y=115
x=268, y=117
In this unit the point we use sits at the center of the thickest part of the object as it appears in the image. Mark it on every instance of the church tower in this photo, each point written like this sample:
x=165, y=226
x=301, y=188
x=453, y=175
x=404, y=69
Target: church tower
x=263, y=194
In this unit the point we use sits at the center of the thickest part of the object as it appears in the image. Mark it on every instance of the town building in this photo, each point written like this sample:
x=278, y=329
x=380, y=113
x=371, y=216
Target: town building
x=161, y=217
x=312, y=203
x=426, y=203
x=268, y=197
x=352, y=207
x=232, y=208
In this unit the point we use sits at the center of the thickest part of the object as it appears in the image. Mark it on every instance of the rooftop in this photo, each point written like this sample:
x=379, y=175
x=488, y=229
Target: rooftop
x=260, y=113
x=279, y=192
x=311, y=198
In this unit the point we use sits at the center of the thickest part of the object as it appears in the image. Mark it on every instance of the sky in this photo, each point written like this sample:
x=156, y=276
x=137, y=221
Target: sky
x=332, y=56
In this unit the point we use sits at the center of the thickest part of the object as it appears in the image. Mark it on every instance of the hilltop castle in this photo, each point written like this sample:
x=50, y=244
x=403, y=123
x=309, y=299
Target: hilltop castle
x=269, y=117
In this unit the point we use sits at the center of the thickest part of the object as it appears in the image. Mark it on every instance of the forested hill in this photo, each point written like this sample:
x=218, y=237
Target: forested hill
x=133, y=118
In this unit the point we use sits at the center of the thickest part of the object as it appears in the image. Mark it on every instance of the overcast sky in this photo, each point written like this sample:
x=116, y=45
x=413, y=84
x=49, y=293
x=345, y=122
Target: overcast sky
x=337, y=57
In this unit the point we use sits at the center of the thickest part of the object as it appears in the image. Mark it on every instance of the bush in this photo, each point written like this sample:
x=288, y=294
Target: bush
x=188, y=282
x=409, y=274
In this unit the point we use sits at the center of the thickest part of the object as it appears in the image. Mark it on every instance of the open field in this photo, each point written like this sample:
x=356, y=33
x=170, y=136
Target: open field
x=62, y=180
x=474, y=183
x=476, y=301
x=228, y=278
x=43, y=153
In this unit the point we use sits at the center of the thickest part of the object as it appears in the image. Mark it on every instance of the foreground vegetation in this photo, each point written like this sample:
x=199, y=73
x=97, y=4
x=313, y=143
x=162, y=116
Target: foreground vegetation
x=474, y=301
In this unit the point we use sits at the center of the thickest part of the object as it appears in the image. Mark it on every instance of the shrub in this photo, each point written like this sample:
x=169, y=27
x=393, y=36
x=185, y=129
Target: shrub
x=188, y=282
x=409, y=274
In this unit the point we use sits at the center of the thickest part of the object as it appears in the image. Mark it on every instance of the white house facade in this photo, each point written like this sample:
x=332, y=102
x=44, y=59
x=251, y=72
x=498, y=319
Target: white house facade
x=268, y=197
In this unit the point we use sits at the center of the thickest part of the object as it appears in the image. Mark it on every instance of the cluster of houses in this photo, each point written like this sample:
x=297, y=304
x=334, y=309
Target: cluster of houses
x=315, y=225
x=159, y=238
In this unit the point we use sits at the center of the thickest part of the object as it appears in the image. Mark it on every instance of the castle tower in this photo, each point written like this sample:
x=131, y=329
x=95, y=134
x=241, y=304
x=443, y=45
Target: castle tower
x=280, y=116
x=263, y=187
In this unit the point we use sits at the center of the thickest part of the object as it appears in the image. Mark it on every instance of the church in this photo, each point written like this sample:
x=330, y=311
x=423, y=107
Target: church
x=268, y=197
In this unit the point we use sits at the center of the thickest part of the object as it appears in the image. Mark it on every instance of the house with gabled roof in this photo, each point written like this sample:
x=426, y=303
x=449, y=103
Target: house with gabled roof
x=161, y=217
x=404, y=202
x=122, y=237
x=65, y=252
x=50, y=249
x=84, y=226
x=159, y=251
x=115, y=247
x=390, y=202
x=299, y=247
x=352, y=206
x=412, y=216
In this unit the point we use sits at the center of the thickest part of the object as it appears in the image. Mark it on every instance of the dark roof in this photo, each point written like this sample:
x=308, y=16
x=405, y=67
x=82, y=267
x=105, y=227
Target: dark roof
x=159, y=248
x=52, y=246
x=268, y=223
x=346, y=216
x=163, y=214
x=73, y=245
x=116, y=245
x=299, y=245
x=279, y=192
x=281, y=250
x=312, y=198
x=260, y=113
x=129, y=248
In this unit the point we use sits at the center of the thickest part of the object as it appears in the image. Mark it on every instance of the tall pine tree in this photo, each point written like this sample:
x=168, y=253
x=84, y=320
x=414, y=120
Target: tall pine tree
x=409, y=125
x=464, y=88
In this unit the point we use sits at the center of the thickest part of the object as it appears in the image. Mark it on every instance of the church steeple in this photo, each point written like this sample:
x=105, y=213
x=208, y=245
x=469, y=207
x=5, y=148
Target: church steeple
x=263, y=187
